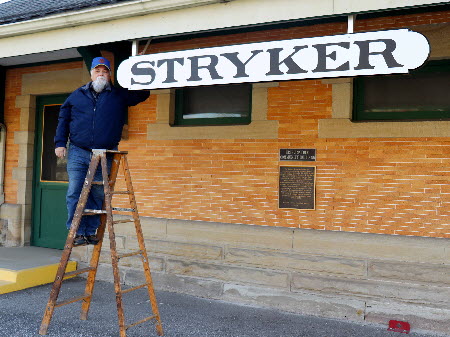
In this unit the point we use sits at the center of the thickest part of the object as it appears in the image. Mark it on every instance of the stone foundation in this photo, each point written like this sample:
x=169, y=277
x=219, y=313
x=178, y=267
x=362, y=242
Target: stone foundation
x=350, y=276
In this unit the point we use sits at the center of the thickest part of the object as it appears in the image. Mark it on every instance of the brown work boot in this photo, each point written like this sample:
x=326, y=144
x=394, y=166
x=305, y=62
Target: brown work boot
x=92, y=239
x=79, y=240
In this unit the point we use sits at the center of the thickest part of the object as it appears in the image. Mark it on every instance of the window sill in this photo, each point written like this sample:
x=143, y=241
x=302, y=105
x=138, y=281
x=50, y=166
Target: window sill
x=259, y=128
x=345, y=128
x=255, y=130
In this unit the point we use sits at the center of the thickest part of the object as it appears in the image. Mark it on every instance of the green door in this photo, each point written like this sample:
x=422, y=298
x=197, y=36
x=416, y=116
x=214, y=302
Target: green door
x=49, y=179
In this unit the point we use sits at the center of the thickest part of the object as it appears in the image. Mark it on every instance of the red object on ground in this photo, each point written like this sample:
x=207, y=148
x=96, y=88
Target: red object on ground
x=399, y=326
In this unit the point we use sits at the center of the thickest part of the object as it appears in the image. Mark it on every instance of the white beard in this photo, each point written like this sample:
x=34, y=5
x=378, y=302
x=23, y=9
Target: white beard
x=99, y=84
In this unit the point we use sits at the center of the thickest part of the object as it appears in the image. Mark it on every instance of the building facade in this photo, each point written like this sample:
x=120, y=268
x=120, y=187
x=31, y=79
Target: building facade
x=207, y=161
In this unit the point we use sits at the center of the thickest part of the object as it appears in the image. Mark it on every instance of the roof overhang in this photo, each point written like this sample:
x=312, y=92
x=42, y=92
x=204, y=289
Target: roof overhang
x=153, y=18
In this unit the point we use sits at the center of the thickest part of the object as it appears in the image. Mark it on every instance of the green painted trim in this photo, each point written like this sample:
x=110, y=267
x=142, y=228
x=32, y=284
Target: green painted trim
x=88, y=53
x=45, y=63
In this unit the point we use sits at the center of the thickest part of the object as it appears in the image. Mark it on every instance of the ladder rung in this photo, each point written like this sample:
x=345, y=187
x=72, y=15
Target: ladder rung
x=94, y=211
x=141, y=321
x=119, y=209
x=120, y=192
x=116, y=151
x=71, y=300
x=78, y=272
x=97, y=183
x=130, y=254
x=134, y=288
x=123, y=221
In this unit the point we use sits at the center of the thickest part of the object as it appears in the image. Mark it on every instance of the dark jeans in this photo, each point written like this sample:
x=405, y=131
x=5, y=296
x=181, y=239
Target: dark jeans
x=78, y=161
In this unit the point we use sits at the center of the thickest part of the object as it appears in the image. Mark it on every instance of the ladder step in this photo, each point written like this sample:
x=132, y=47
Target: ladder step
x=72, y=300
x=120, y=192
x=130, y=254
x=134, y=288
x=119, y=209
x=94, y=211
x=79, y=271
x=141, y=321
x=116, y=151
x=102, y=211
x=123, y=221
x=97, y=183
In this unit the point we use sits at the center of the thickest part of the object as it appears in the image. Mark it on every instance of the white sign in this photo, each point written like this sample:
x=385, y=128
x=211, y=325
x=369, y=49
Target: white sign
x=372, y=53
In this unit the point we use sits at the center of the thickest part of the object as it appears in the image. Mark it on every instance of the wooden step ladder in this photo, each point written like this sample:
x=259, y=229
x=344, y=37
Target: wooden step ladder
x=106, y=220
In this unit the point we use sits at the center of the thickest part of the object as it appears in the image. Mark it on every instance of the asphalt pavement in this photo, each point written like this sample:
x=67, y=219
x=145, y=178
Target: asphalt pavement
x=182, y=316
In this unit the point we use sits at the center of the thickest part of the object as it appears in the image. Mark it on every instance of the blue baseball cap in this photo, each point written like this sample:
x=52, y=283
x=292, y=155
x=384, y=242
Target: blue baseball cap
x=100, y=61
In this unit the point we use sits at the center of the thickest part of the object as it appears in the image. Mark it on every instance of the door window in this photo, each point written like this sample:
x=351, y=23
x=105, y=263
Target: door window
x=53, y=168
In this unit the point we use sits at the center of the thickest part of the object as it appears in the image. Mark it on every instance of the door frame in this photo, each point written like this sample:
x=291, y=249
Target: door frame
x=41, y=102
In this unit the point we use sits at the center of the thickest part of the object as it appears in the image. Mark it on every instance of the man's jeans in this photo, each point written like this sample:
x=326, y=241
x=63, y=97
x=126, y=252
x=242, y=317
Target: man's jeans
x=78, y=161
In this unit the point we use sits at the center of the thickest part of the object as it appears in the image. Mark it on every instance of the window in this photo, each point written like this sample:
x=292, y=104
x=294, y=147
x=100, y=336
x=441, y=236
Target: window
x=423, y=94
x=213, y=105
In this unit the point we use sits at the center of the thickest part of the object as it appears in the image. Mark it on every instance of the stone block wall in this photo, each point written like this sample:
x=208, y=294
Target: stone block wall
x=351, y=276
x=10, y=225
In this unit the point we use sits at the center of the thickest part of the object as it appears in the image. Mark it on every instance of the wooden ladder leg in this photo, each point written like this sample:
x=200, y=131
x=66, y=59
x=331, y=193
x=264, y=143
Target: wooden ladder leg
x=89, y=289
x=113, y=248
x=49, y=309
x=140, y=237
x=97, y=248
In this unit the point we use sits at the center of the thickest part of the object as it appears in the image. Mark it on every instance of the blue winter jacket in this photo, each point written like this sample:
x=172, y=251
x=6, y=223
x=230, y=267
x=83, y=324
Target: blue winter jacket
x=95, y=124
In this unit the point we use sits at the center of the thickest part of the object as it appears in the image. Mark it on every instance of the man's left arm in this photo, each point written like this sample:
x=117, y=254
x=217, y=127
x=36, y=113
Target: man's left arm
x=137, y=96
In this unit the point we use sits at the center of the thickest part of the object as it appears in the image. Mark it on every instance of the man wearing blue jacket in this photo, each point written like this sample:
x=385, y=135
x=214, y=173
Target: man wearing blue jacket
x=92, y=117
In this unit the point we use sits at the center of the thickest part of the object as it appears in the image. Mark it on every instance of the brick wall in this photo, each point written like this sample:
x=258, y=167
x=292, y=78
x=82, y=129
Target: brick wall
x=391, y=186
x=13, y=89
x=195, y=194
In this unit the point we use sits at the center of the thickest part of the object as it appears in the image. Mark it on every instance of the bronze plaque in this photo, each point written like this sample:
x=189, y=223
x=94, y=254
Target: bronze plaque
x=297, y=187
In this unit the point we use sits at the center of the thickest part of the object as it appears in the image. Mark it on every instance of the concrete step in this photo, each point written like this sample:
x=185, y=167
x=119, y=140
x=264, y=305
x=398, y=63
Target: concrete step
x=26, y=267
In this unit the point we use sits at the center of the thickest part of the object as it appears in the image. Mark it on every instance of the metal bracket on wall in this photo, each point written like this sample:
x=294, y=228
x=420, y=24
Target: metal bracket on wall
x=135, y=47
x=351, y=23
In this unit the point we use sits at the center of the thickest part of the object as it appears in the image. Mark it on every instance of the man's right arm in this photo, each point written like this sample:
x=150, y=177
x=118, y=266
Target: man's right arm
x=62, y=130
x=60, y=152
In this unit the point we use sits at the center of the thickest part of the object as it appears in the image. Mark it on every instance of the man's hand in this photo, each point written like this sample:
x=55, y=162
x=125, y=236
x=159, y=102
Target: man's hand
x=60, y=152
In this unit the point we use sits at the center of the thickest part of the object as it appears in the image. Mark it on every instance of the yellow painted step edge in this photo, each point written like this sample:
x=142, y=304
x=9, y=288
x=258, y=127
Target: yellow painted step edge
x=32, y=277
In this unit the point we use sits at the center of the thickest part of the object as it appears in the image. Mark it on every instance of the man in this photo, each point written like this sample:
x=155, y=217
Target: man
x=92, y=117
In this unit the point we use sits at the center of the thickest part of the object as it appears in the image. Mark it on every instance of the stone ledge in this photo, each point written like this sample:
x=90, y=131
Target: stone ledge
x=24, y=137
x=230, y=234
x=371, y=246
x=345, y=128
x=255, y=130
x=399, y=291
x=228, y=273
x=302, y=303
x=25, y=101
x=152, y=228
x=296, y=262
x=53, y=82
x=182, y=284
x=192, y=251
x=22, y=173
x=423, y=272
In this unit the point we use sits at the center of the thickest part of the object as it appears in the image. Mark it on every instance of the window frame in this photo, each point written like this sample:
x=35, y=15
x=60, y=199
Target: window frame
x=358, y=99
x=179, y=107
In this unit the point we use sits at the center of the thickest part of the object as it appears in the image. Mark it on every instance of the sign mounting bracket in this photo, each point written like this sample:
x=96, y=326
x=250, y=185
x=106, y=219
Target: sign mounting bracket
x=351, y=23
